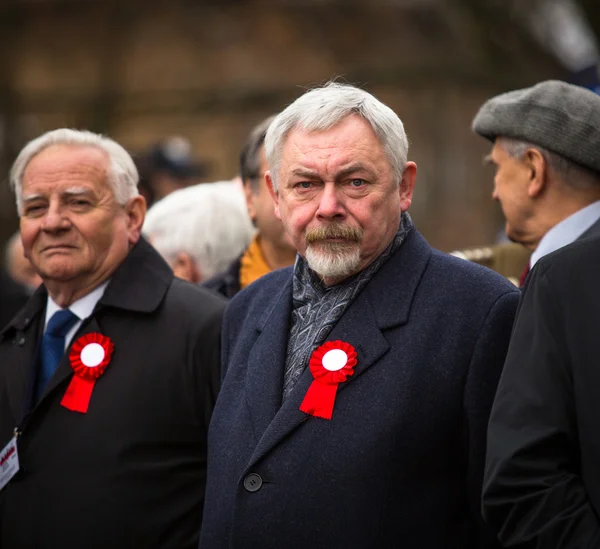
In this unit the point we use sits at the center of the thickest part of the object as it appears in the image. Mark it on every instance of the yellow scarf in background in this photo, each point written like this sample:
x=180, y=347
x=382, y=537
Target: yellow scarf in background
x=252, y=264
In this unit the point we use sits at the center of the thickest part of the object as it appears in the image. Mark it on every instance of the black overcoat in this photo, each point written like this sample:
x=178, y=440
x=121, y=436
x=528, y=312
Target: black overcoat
x=542, y=480
x=130, y=472
x=12, y=297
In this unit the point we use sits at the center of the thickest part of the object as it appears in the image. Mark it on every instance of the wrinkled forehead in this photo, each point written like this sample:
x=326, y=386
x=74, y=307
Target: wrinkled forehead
x=351, y=141
x=62, y=166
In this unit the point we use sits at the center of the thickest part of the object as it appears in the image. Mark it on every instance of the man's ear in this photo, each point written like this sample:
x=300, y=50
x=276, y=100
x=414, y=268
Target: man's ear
x=273, y=192
x=538, y=172
x=136, y=213
x=407, y=185
x=186, y=268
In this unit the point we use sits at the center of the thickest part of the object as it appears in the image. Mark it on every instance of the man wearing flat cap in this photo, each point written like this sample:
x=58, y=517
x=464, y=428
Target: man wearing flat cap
x=541, y=486
x=546, y=141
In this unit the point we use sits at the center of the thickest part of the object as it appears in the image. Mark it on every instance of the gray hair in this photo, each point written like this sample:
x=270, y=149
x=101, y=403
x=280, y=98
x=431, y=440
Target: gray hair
x=209, y=221
x=250, y=158
x=123, y=175
x=322, y=108
x=567, y=171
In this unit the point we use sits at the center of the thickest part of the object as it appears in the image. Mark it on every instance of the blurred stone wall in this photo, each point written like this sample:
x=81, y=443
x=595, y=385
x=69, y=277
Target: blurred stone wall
x=141, y=70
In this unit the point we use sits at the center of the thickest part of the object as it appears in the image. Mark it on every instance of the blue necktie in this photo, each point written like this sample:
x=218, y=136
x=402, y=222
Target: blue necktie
x=53, y=346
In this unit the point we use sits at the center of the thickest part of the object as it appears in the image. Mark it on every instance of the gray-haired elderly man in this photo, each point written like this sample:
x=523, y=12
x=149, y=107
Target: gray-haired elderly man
x=109, y=373
x=546, y=141
x=358, y=382
x=201, y=229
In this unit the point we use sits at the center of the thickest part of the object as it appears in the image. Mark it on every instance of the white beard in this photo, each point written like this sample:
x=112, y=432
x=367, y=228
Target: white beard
x=333, y=261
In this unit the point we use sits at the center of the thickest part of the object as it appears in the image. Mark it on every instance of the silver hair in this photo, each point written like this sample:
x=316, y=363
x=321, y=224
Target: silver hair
x=209, y=221
x=322, y=108
x=564, y=169
x=123, y=175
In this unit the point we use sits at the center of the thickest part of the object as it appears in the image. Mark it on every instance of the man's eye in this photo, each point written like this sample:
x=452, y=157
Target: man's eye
x=357, y=182
x=304, y=184
x=33, y=209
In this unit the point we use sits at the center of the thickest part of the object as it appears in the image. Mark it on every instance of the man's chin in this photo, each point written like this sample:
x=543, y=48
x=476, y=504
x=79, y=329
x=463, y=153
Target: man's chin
x=336, y=265
x=57, y=272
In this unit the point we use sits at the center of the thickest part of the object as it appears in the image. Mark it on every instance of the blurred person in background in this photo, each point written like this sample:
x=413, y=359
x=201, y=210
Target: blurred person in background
x=166, y=166
x=110, y=447
x=271, y=247
x=545, y=153
x=18, y=266
x=200, y=230
x=13, y=296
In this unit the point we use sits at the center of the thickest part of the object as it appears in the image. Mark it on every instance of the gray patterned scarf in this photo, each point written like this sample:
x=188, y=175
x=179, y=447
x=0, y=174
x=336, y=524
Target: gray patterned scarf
x=317, y=308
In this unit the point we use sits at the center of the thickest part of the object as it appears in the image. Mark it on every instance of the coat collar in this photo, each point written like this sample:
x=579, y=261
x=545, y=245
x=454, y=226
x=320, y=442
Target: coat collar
x=362, y=325
x=139, y=284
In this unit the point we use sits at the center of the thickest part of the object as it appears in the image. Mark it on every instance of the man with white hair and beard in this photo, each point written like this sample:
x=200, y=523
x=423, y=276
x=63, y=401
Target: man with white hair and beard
x=357, y=384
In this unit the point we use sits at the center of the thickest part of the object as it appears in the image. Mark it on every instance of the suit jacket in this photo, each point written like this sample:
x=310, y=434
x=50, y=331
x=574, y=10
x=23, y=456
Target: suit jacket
x=592, y=232
x=542, y=481
x=130, y=472
x=12, y=297
x=400, y=464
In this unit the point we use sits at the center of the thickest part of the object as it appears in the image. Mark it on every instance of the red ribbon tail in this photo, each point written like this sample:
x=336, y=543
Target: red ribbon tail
x=319, y=400
x=78, y=394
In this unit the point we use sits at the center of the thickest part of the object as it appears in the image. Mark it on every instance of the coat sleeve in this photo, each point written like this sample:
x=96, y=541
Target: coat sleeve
x=533, y=496
x=484, y=371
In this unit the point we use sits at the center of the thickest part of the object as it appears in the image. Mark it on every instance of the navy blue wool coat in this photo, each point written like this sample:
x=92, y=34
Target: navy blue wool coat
x=400, y=464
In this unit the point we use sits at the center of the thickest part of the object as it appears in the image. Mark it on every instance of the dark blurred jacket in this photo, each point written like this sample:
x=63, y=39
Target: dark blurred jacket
x=13, y=297
x=226, y=283
x=130, y=472
x=542, y=482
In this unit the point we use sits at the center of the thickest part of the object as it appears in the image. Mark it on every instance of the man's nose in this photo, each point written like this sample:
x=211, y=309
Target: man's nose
x=55, y=219
x=331, y=203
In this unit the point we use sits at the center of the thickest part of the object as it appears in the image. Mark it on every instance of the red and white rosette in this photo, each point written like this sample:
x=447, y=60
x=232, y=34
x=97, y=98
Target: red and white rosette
x=89, y=357
x=330, y=364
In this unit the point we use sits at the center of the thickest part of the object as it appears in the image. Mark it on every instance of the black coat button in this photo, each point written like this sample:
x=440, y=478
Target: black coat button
x=253, y=482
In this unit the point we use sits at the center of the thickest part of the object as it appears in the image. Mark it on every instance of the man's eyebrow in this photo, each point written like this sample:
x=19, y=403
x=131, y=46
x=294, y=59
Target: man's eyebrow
x=303, y=172
x=32, y=197
x=75, y=191
x=354, y=168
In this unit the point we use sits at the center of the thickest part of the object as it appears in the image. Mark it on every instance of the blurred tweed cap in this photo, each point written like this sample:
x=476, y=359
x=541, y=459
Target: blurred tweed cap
x=560, y=117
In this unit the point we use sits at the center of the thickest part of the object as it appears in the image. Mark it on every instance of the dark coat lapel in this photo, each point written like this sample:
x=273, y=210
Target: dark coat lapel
x=24, y=331
x=362, y=325
x=139, y=284
x=264, y=374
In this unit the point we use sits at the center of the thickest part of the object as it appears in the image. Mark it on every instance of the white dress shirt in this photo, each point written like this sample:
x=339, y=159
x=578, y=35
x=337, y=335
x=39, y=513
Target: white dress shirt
x=83, y=308
x=567, y=231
